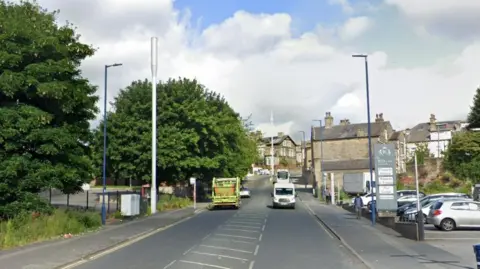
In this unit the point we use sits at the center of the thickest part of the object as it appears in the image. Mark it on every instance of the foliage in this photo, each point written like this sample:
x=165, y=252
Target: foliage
x=167, y=202
x=198, y=134
x=45, y=108
x=28, y=228
x=283, y=161
x=462, y=157
x=422, y=151
x=474, y=115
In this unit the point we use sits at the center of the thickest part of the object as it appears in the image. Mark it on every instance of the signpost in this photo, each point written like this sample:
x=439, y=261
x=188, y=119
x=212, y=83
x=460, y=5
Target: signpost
x=385, y=173
x=193, y=181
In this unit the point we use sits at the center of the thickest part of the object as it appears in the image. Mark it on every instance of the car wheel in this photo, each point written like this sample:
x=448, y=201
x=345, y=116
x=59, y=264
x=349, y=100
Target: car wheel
x=447, y=225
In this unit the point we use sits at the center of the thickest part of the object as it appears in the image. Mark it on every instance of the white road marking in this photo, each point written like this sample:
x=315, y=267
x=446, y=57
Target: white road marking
x=231, y=249
x=241, y=226
x=170, y=264
x=252, y=218
x=240, y=230
x=260, y=238
x=256, y=250
x=265, y=221
x=245, y=222
x=219, y=256
x=190, y=249
x=206, y=236
x=204, y=264
x=238, y=236
x=263, y=228
x=232, y=240
x=251, y=265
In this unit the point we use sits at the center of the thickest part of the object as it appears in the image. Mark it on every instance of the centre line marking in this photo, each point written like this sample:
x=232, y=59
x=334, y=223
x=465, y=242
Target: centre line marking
x=260, y=238
x=204, y=264
x=241, y=226
x=232, y=249
x=170, y=264
x=232, y=240
x=240, y=230
x=256, y=250
x=188, y=250
x=238, y=236
x=263, y=227
x=206, y=236
x=220, y=256
x=245, y=222
x=251, y=265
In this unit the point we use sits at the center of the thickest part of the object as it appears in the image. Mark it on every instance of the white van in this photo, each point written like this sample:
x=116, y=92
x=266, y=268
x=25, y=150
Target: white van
x=283, y=195
x=283, y=176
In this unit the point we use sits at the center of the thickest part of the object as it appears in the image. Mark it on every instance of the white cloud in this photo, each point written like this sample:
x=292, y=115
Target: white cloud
x=256, y=63
x=449, y=17
x=355, y=27
x=345, y=4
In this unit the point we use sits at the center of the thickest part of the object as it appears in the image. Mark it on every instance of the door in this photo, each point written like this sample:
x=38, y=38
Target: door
x=460, y=212
x=474, y=214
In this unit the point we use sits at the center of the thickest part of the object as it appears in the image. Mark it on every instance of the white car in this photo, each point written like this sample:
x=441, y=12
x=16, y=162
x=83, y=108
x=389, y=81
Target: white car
x=244, y=192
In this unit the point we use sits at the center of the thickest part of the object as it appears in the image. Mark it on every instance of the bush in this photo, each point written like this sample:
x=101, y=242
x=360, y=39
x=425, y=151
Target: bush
x=167, y=202
x=28, y=228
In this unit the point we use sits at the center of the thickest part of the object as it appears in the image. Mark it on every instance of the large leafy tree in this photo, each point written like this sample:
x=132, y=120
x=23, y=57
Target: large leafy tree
x=45, y=107
x=198, y=134
x=462, y=157
x=474, y=115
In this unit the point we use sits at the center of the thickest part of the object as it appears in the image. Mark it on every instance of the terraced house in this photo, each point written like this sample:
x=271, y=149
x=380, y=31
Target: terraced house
x=285, y=151
x=345, y=146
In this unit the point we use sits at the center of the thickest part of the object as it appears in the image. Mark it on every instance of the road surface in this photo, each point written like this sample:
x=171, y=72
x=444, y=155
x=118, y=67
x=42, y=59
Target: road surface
x=254, y=236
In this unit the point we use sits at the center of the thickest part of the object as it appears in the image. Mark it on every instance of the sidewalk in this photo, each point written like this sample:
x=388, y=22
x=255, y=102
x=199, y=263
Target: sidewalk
x=56, y=253
x=380, y=247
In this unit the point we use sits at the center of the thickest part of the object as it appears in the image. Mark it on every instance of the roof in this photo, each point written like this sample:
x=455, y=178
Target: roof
x=349, y=131
x=339, y=165
x=277, y=140
x=395, y=135
x=421, y=131
x=284, y=185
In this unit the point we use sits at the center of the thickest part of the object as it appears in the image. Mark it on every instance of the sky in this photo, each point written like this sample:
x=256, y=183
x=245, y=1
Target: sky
x=293, y=57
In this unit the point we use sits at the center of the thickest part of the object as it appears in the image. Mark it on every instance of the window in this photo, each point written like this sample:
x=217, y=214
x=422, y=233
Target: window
x=473, y=206
x=284, y=191
x=283, y=152
x=459, y=206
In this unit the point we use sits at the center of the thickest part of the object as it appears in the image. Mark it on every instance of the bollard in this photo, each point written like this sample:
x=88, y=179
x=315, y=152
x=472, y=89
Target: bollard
x=476, y=250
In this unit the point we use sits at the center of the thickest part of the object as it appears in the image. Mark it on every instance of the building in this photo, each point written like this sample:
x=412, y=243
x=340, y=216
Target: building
x=285, y=150
x=436, y=134
x=345, y=146
x=300, y=154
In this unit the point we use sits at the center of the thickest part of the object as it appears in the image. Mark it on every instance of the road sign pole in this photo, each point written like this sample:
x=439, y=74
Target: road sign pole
x=195, y=196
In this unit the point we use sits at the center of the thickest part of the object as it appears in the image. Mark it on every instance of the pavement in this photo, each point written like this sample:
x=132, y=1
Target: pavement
x=381, y=247
x=255, y=236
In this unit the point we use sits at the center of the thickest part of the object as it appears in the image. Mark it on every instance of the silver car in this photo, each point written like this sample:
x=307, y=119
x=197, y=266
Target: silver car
x=447, y=215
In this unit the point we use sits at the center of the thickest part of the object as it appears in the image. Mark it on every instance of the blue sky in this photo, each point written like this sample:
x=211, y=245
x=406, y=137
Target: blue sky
x=305, y=13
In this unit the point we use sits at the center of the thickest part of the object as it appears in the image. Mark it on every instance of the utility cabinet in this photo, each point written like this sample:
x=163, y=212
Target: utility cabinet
x=130, y=204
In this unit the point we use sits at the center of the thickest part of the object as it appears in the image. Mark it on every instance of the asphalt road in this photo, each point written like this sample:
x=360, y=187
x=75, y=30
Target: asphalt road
x=255, y=236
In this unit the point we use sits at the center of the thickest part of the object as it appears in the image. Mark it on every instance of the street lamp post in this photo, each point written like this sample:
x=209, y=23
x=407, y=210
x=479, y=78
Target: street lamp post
x=320, y=133
x=153, y=67
x=104, y=179
x=365, y=58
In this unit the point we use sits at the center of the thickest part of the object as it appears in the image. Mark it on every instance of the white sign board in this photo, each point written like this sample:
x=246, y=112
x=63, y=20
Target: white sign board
x=385, y=180
x=193, y=180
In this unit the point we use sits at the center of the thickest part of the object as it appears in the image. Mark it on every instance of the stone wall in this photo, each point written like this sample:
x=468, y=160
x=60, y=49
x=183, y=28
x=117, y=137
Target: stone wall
x=342, y=149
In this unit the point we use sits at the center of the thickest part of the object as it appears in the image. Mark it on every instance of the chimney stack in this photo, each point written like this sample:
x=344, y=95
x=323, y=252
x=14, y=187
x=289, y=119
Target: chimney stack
x=360, y=132
x=280, y=134
x=379, y=117
x=433, y=123
x=328, y=120
x=344, y=122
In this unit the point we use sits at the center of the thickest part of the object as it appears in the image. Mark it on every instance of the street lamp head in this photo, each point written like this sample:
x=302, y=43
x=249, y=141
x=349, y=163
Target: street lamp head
x=113, y=65
x=359, y=56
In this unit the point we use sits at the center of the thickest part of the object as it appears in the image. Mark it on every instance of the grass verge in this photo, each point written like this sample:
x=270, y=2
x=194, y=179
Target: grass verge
x=29, y=228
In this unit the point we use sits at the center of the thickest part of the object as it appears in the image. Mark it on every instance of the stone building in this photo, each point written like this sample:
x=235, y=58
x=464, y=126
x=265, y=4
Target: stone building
x=285, y=149
x=345, y=145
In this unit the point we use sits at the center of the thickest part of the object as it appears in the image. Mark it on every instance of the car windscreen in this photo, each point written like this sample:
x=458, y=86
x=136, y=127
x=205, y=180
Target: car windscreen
x=283, y=191
x=282, y=175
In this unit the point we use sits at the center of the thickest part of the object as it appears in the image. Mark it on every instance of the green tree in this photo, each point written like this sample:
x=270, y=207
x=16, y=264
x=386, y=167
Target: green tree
x=283, y=161
x=474, y=115
x=45, y=108
x=462, y=157
x=422, y=151
x=198, y=134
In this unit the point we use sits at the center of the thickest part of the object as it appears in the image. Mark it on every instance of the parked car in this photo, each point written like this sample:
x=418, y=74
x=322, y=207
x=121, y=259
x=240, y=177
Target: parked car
x=367, y=198
x=244, y=192
x=412, y=213
x=447, y=215
x=427, y=199
x=407, y=197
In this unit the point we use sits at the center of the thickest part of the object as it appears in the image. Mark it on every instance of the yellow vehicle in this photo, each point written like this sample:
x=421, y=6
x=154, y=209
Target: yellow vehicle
x=226, y=192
